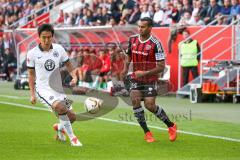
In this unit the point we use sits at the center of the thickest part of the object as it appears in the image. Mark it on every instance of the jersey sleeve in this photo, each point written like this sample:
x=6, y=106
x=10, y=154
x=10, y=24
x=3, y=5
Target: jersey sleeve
x=30, y=60
x=159, y=52
x=129, y=49
x=64, y=55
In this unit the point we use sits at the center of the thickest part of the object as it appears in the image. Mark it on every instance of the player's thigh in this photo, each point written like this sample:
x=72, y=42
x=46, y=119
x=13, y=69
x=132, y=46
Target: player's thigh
x=59, y=107
x=47, y=97
x=63, y=106
x=136, y=97
x=72, y=116
x=54, y=100
x=149, y=103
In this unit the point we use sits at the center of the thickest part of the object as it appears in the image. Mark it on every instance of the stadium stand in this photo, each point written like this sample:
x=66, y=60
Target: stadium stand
x=177, y=14
x=164, y=13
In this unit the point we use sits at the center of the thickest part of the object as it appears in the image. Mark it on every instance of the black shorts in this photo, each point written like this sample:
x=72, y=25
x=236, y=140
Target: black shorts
x=88, y=77
x=147, y=89
x=102, y=74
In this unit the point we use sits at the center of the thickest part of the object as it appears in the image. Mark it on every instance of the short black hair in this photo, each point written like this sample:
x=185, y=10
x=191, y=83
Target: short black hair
x=149, y=20
x=45, y=27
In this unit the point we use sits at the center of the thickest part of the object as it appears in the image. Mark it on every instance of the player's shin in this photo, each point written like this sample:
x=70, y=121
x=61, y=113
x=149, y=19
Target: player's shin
x=65, y=122
x=139, y=114
x=160, y=113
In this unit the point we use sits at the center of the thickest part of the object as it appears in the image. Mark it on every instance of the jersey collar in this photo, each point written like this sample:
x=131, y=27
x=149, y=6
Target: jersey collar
x=145, y=40
x=41, y=49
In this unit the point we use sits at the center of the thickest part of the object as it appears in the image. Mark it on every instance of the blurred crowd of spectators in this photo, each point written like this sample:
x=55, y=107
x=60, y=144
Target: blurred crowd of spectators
x=8, y=61
x=163, y=12
x=14, y=13
x=97, y=64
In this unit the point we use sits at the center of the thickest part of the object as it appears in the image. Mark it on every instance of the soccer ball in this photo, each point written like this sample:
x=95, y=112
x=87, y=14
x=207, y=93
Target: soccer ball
x=92, y=104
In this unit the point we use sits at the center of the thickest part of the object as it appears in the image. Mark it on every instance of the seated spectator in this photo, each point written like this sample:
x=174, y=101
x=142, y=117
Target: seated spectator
x=211, y=11
x=180, y=12
x=198, y=9
x=196, y=21
x=81, y=23
x=114, y=10
x=60, y=19
x=105, y=16
x=90, y=66
x=185, y=20
x=106, y=65
x=226, y=8
x=205, y=3
x=122, y=22
x=128, y=4
x=89, y=18
x=201, y=11
x=118, y=60
x=9, y=64
x=117, y=63
x=112, y=22
x=167, y=20
x=97, y=16
x=222, y=20
x=158, y=16
x=135, y=15
x=235, y=9
x=126, y=15
x=187, y=6
x=145, y=12
x=151, y=10
x=81, y=4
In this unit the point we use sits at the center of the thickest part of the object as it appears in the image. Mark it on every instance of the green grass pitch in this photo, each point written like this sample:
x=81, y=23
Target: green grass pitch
x=27, y=134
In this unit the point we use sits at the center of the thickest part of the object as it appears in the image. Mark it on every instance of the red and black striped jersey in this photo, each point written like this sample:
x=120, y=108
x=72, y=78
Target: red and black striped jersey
x=144, y=55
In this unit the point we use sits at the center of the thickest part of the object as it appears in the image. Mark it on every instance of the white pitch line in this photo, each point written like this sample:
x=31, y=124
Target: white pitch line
x=24, y=106
x=129, y=123
x=179, y=131
x=14, y=97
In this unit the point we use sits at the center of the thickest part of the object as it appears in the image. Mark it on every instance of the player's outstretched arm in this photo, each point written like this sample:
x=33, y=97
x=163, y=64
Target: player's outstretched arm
x=126, y=66
x=71, y=71
x=31, y=79
x=158, y=69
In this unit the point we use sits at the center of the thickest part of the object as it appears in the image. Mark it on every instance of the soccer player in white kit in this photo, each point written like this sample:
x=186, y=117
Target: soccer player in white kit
x=42, y=60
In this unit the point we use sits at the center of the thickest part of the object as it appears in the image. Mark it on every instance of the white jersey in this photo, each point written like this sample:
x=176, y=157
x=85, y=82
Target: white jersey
x=45, y=63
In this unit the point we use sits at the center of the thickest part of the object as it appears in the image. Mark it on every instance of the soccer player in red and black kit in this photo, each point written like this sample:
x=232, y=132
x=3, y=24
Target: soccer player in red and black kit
x=148, y=59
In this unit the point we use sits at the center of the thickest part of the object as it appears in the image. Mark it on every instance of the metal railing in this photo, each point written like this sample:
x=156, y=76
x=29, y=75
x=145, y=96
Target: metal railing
x=234, y=43
x=29, y=18
x=218, y=55
x=180, y=43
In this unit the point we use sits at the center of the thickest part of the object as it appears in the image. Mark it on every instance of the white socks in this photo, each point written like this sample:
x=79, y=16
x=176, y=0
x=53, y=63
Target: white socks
x=64, y=121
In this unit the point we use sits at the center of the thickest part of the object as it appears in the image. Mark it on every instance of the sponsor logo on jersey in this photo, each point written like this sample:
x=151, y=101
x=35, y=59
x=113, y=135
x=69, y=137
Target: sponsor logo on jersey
x=51, y=98
x=55, y=54
x=150, y=89
x=138, y=52
x=148, y=47
x=49, y=65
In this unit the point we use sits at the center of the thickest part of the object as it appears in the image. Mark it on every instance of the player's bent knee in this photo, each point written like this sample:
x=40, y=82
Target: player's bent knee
x=150, y=105
x=72, y=116
x=61, y=110
x=136, y=101
x=59, y=107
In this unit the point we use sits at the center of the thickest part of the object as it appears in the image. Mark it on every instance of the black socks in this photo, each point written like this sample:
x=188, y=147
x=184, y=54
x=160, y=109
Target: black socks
x=160, y=113
x=139, y=114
